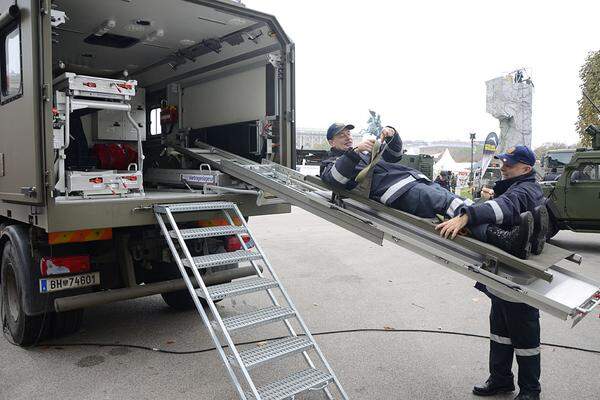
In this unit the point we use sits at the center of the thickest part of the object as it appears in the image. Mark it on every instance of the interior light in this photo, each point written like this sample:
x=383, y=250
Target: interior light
x=154, y=35
x=187, y=42
x=105, y=27
x=237, y=21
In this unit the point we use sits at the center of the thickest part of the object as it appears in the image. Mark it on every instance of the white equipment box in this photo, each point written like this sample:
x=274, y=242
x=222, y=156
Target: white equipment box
x=114, y=125
x=92, y=86
x=108, y=182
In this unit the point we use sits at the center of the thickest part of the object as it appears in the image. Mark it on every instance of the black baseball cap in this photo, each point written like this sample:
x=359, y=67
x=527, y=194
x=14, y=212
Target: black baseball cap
x=336, y=128
x=522, y=154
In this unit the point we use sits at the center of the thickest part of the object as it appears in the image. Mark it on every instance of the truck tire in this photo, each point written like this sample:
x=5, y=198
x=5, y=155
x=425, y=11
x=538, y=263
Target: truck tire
x=23, y=329
x=66, y=323
x=180, y=300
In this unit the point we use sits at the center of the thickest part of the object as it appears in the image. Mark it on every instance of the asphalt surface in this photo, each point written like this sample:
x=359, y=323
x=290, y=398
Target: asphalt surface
x=338, y=281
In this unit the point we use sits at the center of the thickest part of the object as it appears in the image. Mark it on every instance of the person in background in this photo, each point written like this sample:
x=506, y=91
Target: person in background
x=442, y=180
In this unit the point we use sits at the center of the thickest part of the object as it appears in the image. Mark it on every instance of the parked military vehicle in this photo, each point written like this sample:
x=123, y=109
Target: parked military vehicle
x=574, y=198
x=553, y=163
x=310, y=158
x=91, y=92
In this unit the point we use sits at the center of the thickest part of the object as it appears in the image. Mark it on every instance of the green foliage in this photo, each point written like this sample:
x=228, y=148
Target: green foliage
x=590, y=83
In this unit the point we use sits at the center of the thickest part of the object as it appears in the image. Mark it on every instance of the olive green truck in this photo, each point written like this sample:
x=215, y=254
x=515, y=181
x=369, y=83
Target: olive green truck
x=91, y=94
x=572, y=187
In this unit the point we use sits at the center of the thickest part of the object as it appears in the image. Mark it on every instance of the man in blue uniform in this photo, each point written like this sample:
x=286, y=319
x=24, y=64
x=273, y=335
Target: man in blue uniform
x=514, y=327
x=510, y=217
x=409, y=190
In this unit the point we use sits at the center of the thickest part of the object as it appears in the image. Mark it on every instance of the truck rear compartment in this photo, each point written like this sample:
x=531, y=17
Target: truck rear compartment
x=200, y=71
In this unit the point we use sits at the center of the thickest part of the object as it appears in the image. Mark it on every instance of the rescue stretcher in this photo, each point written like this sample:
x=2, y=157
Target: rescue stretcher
x=542, y=281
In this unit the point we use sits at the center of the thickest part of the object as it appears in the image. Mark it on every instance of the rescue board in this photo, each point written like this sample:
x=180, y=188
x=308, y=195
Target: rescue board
x=538, y=281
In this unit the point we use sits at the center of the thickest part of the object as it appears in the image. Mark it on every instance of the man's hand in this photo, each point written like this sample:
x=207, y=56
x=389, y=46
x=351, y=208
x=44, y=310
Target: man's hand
x=487, y=193
x=365, y=145
x=386, y=132
x=452, y=227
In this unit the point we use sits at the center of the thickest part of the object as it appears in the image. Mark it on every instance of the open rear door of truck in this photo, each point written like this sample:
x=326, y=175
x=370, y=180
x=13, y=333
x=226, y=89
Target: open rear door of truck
x=21, y=166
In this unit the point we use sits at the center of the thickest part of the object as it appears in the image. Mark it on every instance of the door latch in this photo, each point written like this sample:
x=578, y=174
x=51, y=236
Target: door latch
x=29, y=191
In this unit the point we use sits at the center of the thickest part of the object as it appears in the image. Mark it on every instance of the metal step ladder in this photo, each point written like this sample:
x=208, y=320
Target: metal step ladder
x=239, y=363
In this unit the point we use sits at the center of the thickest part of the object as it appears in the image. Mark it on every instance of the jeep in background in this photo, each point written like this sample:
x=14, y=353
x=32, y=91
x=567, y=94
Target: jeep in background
x=574, y=198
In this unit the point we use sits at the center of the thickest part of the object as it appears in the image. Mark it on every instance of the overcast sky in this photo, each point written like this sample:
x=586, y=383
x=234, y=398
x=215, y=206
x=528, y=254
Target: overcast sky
x=423, y=64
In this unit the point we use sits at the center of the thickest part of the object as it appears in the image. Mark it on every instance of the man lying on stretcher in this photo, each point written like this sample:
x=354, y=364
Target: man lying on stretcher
x=511, y=216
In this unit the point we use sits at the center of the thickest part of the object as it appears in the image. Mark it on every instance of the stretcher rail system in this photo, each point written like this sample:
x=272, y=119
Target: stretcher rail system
x=539, y=281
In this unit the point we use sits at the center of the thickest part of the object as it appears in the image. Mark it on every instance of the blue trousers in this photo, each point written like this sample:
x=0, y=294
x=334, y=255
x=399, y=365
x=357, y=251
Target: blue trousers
x=428, y=199
x=515, y=331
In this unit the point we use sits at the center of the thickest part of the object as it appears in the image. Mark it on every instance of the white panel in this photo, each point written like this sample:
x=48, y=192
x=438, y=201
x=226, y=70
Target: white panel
x=114, y=125
x=235, y=98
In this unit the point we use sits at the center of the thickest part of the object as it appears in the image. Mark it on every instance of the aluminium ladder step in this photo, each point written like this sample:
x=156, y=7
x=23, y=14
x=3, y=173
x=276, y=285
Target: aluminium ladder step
x=292, y=385
x=215, y=260
x=211, y=231
x=239, y=287
x=257, y=318
x=273, y=350
x=191, y=207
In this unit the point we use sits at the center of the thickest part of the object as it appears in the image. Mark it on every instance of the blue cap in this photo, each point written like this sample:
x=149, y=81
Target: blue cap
x=336, y=128
x=522, y=154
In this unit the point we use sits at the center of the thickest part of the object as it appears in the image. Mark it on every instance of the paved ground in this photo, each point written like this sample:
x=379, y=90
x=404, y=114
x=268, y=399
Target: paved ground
x=339, y=281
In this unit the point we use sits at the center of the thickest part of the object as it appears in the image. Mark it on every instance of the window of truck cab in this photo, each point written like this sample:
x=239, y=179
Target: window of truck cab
x=11, y=70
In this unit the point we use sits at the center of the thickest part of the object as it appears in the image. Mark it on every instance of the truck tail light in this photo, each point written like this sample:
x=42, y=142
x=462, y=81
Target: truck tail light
x=233, y=244
x=64, y=265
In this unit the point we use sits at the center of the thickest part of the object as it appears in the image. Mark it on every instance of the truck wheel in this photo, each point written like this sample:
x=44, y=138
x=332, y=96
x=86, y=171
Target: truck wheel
x=66, y=323
x=180, y=300
x=23, y=329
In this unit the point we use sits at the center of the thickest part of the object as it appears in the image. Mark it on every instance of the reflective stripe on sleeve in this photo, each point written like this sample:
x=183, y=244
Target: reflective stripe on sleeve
x=500, y=339
x=423, y=177
x=338, y=176
x=396, y=187
x=497, y=211
x=453, y=206
x=528, y=352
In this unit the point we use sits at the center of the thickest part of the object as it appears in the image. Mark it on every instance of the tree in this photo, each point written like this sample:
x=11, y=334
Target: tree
x=590, y=84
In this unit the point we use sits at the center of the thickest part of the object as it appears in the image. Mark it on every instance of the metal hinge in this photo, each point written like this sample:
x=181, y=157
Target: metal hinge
x=45, y=90
x=47, y=179
x=45, y=7
x=290, y=116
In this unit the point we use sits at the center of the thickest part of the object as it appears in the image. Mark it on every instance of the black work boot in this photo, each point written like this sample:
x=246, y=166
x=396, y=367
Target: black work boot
x=540, y=229
x=528, y=396
x=489, y=388
x=517, y=240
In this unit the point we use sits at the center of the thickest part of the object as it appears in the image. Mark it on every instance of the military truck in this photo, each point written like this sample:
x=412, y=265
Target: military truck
x=553, y=163
x=92, y=93
x=310, y=159
x=574, y=198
